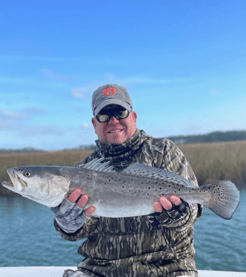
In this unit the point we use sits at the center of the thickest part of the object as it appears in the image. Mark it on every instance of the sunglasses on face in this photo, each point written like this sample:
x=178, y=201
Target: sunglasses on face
x=105, y=115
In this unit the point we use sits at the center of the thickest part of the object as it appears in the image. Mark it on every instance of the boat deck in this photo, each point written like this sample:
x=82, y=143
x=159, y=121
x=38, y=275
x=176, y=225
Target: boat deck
x=57, y=271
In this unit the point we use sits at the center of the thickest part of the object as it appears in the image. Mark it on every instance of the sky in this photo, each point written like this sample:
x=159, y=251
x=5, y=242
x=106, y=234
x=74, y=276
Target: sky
x=182, y=62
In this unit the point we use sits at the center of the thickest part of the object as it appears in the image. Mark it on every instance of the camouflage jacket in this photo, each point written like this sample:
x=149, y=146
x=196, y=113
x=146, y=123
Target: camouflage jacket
x=132, y=246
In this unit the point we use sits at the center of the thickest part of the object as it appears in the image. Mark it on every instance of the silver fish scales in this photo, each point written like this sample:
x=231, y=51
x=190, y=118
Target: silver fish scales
x=130, y=192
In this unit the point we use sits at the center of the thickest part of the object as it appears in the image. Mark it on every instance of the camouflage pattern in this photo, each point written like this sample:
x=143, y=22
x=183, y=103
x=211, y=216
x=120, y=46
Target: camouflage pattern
x=132, y=246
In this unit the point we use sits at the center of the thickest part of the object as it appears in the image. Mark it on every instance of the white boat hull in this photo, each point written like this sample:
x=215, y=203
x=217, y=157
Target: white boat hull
x=57, y=271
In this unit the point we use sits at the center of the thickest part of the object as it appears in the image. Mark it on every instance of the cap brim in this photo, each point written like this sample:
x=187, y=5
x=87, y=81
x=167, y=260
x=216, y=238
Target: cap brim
x=110, y=102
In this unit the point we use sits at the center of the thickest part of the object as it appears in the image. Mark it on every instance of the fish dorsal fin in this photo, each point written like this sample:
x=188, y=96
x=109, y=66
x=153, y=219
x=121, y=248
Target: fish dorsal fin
x=143, y=170
x=99, y=164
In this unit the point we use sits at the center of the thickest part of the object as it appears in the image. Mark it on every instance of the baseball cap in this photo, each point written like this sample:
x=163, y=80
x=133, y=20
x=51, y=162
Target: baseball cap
x=110, y=94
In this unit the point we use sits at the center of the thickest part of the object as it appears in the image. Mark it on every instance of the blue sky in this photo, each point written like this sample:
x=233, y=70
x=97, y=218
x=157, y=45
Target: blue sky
x=183, y=63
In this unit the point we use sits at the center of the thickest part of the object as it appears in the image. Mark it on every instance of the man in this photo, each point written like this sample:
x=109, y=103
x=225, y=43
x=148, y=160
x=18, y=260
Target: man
x=160, y=244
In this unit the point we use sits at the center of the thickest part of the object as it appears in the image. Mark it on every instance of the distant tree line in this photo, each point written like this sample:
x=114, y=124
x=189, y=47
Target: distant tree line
x=210, y=137
x=30, y=149
x=20, y=150
x=87, y=147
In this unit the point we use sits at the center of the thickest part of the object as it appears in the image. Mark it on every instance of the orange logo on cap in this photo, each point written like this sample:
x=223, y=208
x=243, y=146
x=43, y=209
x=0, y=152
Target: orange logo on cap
x=109, y=91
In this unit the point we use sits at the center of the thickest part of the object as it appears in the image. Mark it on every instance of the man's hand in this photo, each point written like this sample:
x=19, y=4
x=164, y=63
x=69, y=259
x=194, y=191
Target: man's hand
x=166, y=203
x=70, y=215
x=170, y=211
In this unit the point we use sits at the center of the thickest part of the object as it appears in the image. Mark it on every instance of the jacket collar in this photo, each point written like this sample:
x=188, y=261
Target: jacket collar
x=124, y=149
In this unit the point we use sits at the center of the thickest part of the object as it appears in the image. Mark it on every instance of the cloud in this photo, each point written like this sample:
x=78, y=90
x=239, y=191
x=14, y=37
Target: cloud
x=111, y=78
x=87, y=90
x=33, y=110
x=28, y=111
x=213, y=91
x=9, y=124
x=16, y=121
x=193, y=129
x=145, y=80
x=81, y=92
x=57, y=77
x=23, y=129
x=85, y=126
x=33, y=131
x=15, y=80
x=6, y=114
x=80, y=109
x=36, y=58
x=19, y=124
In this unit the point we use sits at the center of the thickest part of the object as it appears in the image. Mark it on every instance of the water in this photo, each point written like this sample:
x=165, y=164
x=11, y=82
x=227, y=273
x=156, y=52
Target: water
x=28, y=238
x=220, y=244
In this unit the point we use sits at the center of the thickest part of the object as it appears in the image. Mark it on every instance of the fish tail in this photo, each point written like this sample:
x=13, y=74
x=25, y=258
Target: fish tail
x=225, y=198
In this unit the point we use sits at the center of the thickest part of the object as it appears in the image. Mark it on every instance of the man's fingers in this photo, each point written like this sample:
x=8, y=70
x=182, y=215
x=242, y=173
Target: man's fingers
x=89, y=211
x=165, y=203
x=174, y=199
x=82, y=200
x=74, y=195
x=157, y=206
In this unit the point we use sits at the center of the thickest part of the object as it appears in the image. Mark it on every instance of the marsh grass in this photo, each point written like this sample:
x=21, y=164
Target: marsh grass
x=210, y=161
x=217, y=161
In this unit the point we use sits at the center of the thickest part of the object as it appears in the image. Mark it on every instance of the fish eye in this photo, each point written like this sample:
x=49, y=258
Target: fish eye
x=27, y=174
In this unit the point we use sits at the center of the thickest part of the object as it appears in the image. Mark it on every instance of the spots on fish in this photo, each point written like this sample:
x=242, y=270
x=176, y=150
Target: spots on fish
x=147, y=186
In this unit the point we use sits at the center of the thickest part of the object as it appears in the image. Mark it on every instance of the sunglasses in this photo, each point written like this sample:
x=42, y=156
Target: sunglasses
x=105, y=115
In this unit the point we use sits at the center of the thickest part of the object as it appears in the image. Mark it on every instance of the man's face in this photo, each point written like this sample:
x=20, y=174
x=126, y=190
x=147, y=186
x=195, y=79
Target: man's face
x=115, y=131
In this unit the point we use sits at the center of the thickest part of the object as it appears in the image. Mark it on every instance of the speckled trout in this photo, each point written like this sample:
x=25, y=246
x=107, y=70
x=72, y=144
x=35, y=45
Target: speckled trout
x=130, y=192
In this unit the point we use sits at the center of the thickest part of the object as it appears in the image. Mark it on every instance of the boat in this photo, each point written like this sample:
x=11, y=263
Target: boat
x=57, y=271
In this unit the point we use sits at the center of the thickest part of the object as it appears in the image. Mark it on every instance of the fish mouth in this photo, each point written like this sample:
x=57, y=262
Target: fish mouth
x=16, y=184
x=8, y=184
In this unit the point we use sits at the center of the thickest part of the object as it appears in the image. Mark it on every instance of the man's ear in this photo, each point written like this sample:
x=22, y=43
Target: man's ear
x=134, y=115
x=93, y=121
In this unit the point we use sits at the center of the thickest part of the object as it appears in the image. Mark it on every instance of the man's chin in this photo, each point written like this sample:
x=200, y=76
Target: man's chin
x=116, y=138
